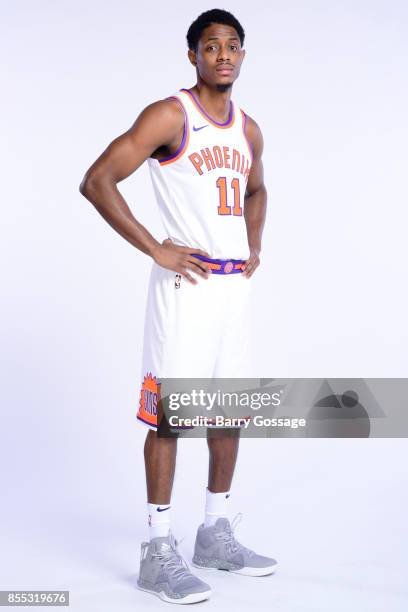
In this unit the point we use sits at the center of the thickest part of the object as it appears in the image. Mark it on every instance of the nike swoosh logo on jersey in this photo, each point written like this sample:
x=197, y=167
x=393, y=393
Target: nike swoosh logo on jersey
x=199, y=128
x=162, y=509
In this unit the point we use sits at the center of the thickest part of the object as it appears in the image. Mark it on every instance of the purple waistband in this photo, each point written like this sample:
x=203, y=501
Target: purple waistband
x=222, y=266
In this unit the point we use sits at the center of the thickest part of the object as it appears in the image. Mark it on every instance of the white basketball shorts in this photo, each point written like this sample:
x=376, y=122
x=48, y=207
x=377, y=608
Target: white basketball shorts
x=193, y=331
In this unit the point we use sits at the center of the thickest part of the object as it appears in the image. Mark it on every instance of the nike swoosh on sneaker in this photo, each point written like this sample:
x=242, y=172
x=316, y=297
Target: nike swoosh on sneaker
x=163, y=509
x=199, y=128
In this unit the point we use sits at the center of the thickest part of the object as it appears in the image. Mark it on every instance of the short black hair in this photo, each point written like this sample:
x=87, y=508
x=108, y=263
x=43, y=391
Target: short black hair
x=207, y=18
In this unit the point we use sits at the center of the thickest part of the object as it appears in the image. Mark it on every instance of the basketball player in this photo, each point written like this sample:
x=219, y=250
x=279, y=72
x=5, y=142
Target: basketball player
x=204, y=155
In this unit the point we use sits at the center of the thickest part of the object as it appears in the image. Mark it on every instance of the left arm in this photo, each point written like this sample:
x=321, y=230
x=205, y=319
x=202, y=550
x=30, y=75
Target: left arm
x=255, y=199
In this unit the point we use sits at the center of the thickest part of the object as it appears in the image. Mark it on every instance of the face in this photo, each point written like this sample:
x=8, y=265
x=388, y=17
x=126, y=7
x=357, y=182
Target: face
x=219, y=56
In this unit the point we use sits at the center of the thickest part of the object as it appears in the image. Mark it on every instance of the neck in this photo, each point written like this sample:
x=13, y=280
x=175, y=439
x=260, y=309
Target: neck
x=216, y=101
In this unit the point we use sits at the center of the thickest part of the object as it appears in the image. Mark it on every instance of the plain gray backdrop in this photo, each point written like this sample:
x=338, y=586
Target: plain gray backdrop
x=326, y=81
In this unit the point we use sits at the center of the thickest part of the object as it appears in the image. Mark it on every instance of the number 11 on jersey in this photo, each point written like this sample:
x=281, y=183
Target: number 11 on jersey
x=223, y=208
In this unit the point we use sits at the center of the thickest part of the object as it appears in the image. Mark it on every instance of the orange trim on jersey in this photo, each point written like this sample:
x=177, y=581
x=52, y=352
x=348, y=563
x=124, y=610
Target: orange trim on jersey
x=206, y=116
x=184, y=143
x=246, y=137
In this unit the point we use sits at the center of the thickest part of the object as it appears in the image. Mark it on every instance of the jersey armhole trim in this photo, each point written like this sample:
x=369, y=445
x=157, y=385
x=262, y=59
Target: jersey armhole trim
x=244, y=120
x=186, y=137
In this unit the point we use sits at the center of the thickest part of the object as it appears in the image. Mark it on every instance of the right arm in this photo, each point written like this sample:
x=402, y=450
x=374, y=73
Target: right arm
x=157, y=125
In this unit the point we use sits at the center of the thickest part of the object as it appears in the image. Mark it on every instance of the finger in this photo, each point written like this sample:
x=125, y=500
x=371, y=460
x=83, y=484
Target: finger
x=188, y=276
x=197, y=270
x=200, y=252
x=253, y=266
x=252, y=261
x=247, y=267
x=200, y=267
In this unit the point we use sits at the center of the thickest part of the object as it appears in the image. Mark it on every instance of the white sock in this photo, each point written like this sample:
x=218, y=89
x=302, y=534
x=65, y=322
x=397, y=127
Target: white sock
x=159, y=520
x=215, y=506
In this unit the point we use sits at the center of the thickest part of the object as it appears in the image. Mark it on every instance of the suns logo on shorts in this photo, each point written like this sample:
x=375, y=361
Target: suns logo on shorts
x=177, y=282
x=149, y=400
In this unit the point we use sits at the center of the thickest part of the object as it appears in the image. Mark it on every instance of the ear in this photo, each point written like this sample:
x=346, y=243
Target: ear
x=243, y=51
x=192, y=57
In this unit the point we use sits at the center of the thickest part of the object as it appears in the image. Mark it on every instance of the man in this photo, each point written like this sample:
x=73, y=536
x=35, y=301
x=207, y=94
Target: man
x=204, y=156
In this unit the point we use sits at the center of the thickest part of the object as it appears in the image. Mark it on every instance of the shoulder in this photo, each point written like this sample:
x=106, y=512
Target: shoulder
x=254, y=134
x=167, y=110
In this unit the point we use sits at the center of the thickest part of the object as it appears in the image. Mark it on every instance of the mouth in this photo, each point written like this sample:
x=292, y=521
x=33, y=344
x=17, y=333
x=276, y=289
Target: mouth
x=225, y=70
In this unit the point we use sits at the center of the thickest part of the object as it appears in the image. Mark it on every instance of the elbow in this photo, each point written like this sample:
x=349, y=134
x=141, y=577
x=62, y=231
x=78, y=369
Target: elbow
x=263, y=194
x=96, y=184
x=263, y=191
x=89, y=186
x=85, y=186
x=82, y=187
x=260, y=192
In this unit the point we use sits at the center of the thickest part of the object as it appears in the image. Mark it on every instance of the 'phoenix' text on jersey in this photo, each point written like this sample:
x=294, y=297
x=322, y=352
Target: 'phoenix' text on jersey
x=220, y=157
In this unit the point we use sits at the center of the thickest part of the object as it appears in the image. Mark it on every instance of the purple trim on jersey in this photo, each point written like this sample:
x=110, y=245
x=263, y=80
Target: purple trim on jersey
x=246, y=137
x=206, y=114
x=147, y=422
x=165, y=159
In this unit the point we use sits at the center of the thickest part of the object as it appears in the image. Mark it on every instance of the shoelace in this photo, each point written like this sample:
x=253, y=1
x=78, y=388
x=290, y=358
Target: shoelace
x=228, y=537
x=173, y=561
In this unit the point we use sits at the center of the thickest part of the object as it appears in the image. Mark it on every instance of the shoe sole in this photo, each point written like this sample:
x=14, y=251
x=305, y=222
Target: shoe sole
x=245, y=571
x=188, y=599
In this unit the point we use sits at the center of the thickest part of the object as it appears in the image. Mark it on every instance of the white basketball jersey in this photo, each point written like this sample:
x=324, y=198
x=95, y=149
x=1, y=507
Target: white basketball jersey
x=200, y=189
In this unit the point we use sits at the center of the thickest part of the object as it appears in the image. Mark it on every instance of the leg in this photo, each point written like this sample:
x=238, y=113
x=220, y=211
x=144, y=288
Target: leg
x=160, y=463
x=163, y=572
x=215, y=545
x=223, y=448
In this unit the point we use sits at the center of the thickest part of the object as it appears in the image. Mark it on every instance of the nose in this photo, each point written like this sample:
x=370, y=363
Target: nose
x=223, y=54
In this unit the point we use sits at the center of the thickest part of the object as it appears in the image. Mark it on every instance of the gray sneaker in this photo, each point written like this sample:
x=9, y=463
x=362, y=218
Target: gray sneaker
x=164, y=573
x=217, y=548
